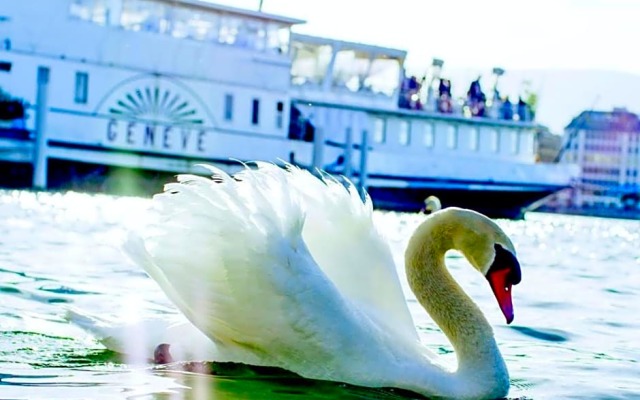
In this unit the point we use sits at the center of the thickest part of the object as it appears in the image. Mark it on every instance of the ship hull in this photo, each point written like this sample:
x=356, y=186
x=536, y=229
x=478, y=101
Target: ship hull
x=495, y=200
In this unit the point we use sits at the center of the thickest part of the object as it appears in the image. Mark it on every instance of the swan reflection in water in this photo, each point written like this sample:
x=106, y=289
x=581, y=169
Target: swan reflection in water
x=278, y=268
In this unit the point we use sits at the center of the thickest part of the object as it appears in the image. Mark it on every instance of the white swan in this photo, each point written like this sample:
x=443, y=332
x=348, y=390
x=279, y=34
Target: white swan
x=280, y=268
x=431, y=205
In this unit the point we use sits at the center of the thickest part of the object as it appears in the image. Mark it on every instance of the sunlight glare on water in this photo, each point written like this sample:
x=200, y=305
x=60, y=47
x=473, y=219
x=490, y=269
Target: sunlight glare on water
x=574, y=336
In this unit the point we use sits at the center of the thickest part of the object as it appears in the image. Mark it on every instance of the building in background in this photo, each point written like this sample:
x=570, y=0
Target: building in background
x=604, y=144
x=548, y=145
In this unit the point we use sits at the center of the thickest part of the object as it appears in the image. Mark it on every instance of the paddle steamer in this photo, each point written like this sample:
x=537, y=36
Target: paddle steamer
x=156, y=86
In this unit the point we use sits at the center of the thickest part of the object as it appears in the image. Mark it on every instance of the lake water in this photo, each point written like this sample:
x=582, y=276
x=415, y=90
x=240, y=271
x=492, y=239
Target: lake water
x=575, y=334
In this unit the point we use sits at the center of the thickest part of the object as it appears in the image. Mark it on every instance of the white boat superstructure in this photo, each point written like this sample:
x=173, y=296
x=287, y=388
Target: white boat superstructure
x=147, y=79
x=161, y=85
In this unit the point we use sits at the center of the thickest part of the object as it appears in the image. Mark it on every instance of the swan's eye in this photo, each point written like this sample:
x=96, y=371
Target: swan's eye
x=505, y=260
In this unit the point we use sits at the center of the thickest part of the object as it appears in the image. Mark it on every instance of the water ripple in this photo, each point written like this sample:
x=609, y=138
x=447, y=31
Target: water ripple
x=577, y=307
x=59, y=289
x=549, y=335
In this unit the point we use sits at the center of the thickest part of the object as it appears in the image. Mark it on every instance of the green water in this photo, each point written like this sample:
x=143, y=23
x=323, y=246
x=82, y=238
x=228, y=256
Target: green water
x=575, y=333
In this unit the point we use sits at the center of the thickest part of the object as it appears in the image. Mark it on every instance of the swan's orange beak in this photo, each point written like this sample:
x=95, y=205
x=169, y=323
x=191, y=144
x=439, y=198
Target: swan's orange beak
x=501, y=286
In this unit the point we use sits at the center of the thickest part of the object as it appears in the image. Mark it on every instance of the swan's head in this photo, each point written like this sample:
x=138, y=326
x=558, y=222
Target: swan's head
x=431, y=205
x=488, y=249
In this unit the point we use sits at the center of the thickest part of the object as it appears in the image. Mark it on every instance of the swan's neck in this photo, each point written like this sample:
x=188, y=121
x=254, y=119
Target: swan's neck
x=455, y=313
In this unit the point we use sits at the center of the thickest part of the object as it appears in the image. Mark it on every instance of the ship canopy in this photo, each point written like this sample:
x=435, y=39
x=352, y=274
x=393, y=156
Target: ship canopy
x=191, y=19
x=335, y=65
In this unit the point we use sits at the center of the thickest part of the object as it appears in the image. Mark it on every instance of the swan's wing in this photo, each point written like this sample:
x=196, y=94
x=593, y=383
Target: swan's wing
x=137, y=340
x=232, y=258
x=341, y=235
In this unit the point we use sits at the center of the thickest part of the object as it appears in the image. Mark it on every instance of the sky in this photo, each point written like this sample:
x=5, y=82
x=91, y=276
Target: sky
x=480, y=34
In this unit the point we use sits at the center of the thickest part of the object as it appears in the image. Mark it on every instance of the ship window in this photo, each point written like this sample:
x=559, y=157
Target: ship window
x=514, y=142
x=95, y=11
x=474, y=138
x=80, y=9
x=228, y=107
x=5, y=66
x=204, y=26
x=278, y=38
x=350, y=68
x=279, y=114
x=255, y=112
x=382, y=76
x=403, y=133
x=150, y=16
x=378, y=130
x=527, y=143
x=252, y=34
x=429, y=138
x=81, y=93
x=494, y=140
x=310, y=63
x=229, y=28
x=357, y=70
x=452, y=137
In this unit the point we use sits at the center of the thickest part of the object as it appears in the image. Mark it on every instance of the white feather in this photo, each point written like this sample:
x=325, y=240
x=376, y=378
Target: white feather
x=280, y=268
x=277, y=267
